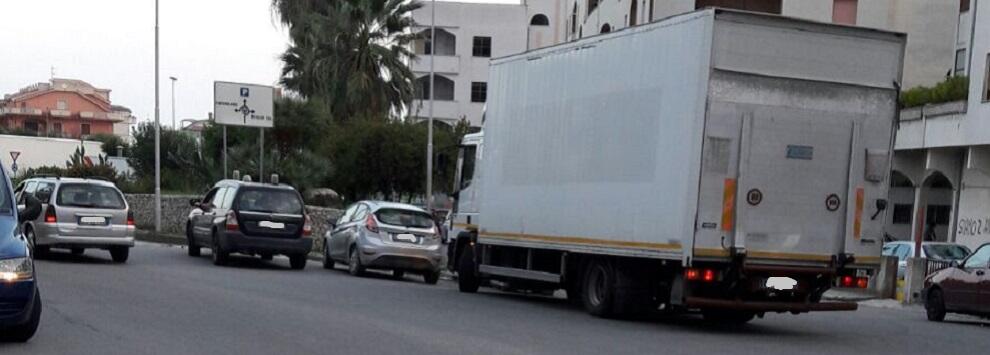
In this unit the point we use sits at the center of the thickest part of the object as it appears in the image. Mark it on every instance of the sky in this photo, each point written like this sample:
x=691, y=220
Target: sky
x=110, y=44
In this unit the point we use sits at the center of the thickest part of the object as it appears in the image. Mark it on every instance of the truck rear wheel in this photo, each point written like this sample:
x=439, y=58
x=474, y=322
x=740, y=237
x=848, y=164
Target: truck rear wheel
x=467, y=277
x=598, y=289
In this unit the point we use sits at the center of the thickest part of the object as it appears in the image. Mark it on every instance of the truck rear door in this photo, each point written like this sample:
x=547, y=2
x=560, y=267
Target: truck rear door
x=793, y=186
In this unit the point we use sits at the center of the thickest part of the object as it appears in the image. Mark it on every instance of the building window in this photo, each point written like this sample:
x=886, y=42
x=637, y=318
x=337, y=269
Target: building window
x=574, y=20
x=938, y=214
x=62, y=105
x=446, y=43
x=482, y=47
x=479, y=92
x=986, y=81
x=902, y=213
x=844, y=11
x=85, y=129
x=960, y=62
x=444, y=92
x=539, y=20
x=57, y=128
x=963, y=5
x=606, y=28
x=592, y=5
x=31, y=126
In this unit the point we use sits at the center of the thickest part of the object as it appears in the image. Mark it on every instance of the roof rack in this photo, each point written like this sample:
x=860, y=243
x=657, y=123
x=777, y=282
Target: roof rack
x=44, y=176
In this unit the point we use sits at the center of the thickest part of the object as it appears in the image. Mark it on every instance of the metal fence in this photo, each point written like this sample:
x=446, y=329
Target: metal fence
x=932, y=266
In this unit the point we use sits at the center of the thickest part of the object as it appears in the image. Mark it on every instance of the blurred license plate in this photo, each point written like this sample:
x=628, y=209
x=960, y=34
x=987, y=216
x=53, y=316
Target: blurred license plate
x=781, y=283
x=271, y=225
x=93, y=221
x=405, y=238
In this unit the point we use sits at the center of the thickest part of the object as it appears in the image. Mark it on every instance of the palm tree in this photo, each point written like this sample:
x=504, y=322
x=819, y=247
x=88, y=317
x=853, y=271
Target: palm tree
x=353, y=54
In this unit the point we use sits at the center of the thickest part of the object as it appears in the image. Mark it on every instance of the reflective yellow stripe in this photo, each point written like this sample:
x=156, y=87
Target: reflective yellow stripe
x=728, y=205
x=858, y=218
x=787, y=256
x=580, y=240
x=466, y=226
x=710, y=252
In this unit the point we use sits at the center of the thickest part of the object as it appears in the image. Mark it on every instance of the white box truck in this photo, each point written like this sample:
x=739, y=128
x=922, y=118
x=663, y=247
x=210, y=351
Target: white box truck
x=727, y=162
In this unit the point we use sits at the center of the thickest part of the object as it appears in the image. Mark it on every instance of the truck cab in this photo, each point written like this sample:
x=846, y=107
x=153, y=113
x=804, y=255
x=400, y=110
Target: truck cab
x=464, y=217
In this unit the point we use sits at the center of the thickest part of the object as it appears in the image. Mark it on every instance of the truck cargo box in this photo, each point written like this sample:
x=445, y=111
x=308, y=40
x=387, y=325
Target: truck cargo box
x=699, y=137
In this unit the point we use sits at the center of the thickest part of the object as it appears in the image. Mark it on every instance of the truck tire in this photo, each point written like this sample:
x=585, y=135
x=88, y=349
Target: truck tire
x=467, y=276
x=727, y=317
x=598, y=289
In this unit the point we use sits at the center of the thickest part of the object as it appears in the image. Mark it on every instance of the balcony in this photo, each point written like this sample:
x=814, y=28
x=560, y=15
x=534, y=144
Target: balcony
x=20, y=111
x=931, y=126
x=60, y=113
x=445, y=64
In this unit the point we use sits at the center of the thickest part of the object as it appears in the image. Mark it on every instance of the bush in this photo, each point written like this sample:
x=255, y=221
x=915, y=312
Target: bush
x=952, y=89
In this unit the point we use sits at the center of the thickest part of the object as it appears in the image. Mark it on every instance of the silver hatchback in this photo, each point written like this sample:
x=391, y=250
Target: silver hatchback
x=79, y=214
x=385, y=235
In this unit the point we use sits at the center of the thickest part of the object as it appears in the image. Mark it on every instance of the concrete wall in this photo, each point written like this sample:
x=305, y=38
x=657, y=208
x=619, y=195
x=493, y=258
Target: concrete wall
x=175, y=210
x=40, y=151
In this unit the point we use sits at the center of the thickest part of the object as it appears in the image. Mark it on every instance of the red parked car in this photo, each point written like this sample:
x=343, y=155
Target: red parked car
x=963, y=288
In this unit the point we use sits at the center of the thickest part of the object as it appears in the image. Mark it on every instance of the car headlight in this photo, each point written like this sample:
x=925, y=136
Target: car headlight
x=16, y=269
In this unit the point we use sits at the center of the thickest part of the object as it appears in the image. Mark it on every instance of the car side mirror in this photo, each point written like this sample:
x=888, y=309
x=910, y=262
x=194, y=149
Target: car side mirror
x=332, y=223
x=194, y=202
x=31, y=209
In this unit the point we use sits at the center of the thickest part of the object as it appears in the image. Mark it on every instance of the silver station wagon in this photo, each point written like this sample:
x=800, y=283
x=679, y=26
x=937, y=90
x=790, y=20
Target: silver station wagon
x=78, y=214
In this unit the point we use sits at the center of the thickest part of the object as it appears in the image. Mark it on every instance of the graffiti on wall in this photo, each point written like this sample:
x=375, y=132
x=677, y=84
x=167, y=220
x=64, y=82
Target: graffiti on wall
x=974, y=226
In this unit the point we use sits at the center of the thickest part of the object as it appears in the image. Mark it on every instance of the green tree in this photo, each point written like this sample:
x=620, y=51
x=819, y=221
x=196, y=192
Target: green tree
x=351, y=54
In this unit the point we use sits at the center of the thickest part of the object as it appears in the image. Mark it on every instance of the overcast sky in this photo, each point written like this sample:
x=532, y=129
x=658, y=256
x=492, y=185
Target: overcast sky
x=110, y=44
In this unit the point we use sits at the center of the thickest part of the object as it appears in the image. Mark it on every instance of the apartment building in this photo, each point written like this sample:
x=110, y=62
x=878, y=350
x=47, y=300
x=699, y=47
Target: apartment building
x=64, y=108
x=467, y=36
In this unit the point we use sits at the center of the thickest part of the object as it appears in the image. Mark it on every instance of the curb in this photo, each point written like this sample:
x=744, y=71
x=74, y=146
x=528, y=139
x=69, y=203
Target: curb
x=180, y=240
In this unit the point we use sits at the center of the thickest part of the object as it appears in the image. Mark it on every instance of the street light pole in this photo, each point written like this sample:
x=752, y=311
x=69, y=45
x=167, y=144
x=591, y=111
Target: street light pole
x=173, y=101
x=158, y=132
x=429, y=129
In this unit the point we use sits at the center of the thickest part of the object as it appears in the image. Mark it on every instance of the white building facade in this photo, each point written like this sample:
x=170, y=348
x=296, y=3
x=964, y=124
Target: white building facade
x=468, y=35
x=942, y=157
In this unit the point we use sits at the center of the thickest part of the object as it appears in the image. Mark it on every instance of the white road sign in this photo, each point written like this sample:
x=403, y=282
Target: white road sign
x=238, y=104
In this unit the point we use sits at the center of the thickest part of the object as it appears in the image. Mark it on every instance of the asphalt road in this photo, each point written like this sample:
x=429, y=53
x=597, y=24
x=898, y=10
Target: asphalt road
x=164, y=302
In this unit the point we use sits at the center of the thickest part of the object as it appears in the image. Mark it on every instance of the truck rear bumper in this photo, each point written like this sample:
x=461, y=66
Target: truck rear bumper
x=760, y=306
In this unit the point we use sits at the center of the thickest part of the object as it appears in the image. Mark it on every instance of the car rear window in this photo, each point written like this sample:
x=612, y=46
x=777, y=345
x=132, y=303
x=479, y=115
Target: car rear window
x=89, y=196
x=946, y=252
x=405, y=218
x=278, y=201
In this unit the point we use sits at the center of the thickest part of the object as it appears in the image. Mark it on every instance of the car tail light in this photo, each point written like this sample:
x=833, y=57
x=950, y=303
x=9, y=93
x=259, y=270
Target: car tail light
x=371, y=224
x=692, y=274
x=232, y=221
x=307, y=227
x=50, y=216
x=862, y=282
x=847, y=281
x=130, y=218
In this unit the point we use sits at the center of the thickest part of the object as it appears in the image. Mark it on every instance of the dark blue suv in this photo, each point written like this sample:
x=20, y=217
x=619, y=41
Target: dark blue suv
x=20, y=301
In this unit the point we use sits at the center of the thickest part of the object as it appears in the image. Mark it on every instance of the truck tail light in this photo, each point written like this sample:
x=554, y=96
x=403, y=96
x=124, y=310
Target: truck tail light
x=50, y=216
x=371, y=224
x=862, y=282
x=307, y=227
x=847, y=281
x=232, y=221
x=706, y=275
x=130, y=218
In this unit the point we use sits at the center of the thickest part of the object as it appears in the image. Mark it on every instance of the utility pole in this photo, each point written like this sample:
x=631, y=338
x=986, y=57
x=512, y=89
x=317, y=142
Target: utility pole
x=174, y=79
x=158, y=143
x=429, y=128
